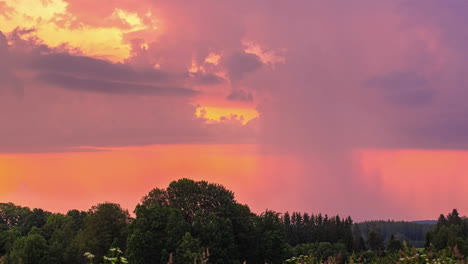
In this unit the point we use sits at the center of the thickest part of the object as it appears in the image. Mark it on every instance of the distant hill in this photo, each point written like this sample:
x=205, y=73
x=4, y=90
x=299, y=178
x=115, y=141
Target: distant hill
x=411, y=232
x=425, y=222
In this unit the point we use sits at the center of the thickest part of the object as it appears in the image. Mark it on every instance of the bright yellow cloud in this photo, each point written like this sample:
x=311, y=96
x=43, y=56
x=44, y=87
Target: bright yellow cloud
x=216, y=113
x=55, y=26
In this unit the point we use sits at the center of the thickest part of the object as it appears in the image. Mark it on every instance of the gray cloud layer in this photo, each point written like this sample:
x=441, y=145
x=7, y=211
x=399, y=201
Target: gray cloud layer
x=104, y=86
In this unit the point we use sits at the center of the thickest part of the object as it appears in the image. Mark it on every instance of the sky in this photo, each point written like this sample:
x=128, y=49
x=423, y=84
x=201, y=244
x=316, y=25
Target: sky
x=340, y=107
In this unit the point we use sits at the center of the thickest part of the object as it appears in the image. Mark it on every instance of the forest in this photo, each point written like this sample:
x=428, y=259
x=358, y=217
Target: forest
x=200, y=222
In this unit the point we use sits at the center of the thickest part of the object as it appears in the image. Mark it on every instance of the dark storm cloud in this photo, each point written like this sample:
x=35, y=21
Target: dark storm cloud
x=84, y=66
x=104, y=86
x=240, y=63
x=91, y=67
x=240, y=95
x=206, y=78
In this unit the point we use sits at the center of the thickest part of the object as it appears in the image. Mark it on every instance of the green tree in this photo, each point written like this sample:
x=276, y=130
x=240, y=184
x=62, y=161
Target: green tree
x=155, y=233
x=78, y=219
x=189, y=250
x=12, y=215
x=451, y=231
x=105, y=226
x=216, y=234
x=7, y=239
x=211, y=212
x=375, y=241
x=359, y=244
x=31, y=249
x=36, y=218
x=271, y=238
x=60, y=233
x=394, y=245
x=192, y=197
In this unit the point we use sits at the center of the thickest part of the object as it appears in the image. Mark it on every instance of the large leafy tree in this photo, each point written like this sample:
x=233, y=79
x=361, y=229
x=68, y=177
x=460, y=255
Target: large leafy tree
x=212, y=215
x=189, y=250
x=155, y=233
x=12, y=215
x=105, y=226
x=59, y=232
x=16, y=221
x=271, y=238
x=31, y=249
x=36, y=218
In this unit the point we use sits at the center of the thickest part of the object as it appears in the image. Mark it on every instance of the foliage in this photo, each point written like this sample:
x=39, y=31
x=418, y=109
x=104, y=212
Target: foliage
x=207, y=211
x=115, y=256
x=375, y=241
x=411, y=232
x=31, y=249
x=305, y=228
x=105, y=226
x=394, y=245
x=155, y=233
x=199, y=222
x=189, y=250
x=451, y=231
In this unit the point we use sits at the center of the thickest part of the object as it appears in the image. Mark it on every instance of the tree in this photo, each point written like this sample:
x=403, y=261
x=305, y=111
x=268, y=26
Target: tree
x=451, y=231
x=394, y=245
x=193, y=197
x=78, y=219
x=59, y=232
x=31, y=249
x=105, y=226
x=244, y=228
x=155, y=233
x=7, y=239
x=36, y=218
x=271, y=239
x=189, y=250
x=359, y=244
x=12, y=215
x=375, y=241
x=156, y=197
x=212, y=214
x=454, y=218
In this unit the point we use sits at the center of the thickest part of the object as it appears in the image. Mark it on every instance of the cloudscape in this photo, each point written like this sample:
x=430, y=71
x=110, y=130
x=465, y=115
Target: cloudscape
x=341, y=107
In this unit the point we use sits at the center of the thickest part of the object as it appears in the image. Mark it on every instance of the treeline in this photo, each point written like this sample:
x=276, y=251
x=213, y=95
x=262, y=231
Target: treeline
x=189, y=221
x=304, y=228
x=451, y=231
x=413, y=233
x=192, y=222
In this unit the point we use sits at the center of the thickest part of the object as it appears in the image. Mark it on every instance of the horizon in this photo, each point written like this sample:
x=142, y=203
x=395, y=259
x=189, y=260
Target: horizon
x=131, y=211
x=352, y=108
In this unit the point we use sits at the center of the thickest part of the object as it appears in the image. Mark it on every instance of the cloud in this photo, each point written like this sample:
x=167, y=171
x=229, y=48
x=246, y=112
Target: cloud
x=90, y=67
x=206, y=79
x=70, y=102
x=9, y=82
x=6, y=10
x=101, y=86
x=240, y=95
x=238, y=64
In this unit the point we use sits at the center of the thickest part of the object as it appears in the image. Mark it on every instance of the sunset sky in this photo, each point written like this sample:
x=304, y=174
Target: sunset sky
x=351, y=107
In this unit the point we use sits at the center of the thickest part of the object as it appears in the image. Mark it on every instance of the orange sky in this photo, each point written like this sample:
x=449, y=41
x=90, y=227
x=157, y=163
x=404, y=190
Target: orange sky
x=60, y=181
